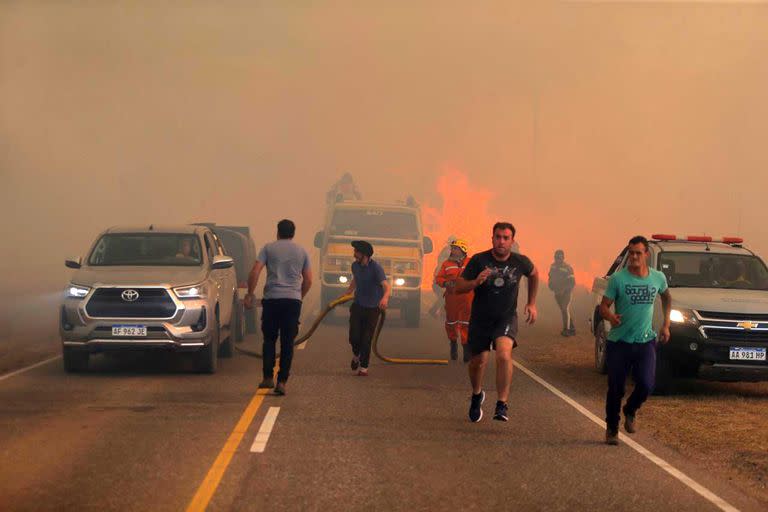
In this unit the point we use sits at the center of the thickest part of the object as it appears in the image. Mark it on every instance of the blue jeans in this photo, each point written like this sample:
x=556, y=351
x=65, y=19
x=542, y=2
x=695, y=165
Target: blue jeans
x=623, y=358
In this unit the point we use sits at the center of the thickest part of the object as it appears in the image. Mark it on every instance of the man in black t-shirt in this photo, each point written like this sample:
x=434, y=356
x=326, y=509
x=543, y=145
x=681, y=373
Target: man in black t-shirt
x=494, y=276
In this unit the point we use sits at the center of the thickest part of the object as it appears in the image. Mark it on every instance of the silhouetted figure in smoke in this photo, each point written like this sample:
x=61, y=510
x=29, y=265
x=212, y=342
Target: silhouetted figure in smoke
x=562, y=282
x=343, y=190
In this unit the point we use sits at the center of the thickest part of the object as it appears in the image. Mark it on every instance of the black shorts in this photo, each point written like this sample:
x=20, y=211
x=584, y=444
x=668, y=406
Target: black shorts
x=484, y=331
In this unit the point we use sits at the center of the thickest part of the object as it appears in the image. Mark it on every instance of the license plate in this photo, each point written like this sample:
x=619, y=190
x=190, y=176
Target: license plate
x=129, y=330
x=400, y=294
x=748, y=354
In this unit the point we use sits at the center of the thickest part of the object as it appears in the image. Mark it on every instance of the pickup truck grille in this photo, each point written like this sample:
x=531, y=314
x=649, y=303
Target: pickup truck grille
x=151, y=303
x=715, y=315
x=736, y=336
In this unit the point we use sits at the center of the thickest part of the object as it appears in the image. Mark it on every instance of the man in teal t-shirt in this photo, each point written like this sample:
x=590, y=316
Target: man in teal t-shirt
x=631, y=343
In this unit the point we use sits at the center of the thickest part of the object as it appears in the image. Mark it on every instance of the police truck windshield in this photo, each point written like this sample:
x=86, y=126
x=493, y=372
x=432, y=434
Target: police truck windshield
x=374, y=223
x=712, y=270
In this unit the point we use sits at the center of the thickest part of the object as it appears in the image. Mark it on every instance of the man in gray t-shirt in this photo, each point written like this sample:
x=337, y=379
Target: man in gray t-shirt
x=289, y=278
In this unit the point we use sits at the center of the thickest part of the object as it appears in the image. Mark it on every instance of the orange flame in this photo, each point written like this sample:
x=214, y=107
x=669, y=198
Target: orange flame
x=465, y=213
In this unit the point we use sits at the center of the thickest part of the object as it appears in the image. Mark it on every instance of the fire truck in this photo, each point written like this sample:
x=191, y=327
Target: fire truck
x=394, y=230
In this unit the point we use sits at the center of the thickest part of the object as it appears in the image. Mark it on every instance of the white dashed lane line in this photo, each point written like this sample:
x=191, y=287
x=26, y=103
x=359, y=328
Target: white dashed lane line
x=260, y=442
x=22, y=370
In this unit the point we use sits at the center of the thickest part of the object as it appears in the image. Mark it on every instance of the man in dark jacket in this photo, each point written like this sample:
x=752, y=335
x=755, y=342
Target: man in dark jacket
x=562, y=282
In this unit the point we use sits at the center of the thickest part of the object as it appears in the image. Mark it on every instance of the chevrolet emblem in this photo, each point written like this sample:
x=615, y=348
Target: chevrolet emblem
x=748, y=325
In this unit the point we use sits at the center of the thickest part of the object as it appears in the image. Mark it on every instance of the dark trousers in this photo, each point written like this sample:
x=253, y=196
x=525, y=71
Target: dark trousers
x=279, y=317
x=362, y=323
x=564, y=302
x=623, y=358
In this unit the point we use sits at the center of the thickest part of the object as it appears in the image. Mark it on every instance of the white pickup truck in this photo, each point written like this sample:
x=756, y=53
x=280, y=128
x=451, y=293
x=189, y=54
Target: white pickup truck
x=719, y=309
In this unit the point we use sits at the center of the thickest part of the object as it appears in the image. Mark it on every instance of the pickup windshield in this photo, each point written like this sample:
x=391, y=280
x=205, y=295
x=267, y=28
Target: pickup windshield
x=147, y=249
x=711, y=270
x=375, y=223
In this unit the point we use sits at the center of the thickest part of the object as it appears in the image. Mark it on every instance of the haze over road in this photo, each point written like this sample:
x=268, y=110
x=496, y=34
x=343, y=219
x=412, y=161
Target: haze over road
x=142, y=434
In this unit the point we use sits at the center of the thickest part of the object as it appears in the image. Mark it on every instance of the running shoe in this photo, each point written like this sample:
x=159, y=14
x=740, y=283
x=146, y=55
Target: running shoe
x=266, y=384
x=475, y=407
x=501, y=411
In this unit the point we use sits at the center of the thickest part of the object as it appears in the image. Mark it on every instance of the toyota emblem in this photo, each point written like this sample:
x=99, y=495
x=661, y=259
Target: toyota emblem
x=129, y=295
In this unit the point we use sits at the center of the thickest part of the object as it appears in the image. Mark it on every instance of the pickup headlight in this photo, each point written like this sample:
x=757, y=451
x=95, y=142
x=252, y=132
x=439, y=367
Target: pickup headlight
x=76, y=291
x=197, y=291
x=682, y=316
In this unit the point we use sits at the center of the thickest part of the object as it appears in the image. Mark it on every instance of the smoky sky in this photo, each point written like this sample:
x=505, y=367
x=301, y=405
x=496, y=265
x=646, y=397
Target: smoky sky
x=585, y=123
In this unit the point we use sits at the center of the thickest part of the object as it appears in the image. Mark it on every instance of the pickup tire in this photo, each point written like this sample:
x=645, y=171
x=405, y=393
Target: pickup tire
x=250, y=321
x=238, y=321
x=601, y=343
x=75, y=360
x=207, y=358
x=226, y=347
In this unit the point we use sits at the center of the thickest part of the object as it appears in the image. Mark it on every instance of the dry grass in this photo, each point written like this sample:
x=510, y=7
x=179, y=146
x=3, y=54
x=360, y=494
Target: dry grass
x=720, y=426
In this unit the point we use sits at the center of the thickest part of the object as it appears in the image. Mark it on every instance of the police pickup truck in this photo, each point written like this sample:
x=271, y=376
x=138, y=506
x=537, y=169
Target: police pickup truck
x=719, y=315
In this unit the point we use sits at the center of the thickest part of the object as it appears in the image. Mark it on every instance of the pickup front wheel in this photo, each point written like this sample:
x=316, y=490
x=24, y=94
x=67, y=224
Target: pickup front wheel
x=601, y=340
x=75, y=360
x=208, y=356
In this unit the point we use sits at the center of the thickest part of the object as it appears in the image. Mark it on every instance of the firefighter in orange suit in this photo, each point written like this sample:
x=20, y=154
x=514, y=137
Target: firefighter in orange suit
x=457, y=306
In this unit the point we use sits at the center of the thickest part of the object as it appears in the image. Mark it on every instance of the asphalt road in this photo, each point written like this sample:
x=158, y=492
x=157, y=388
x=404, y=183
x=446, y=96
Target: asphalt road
x=143, y=433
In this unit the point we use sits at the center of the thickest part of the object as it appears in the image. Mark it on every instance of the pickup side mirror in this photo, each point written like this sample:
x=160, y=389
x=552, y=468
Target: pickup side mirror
x=319, y=239
x=428, y=248
x=73, y=262
x=222, y=262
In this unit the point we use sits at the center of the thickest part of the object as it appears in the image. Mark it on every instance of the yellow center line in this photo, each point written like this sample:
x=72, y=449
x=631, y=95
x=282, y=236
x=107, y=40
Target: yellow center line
x=212, y=479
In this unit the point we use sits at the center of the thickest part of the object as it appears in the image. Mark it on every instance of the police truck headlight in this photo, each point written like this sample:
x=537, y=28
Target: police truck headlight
x=191, y=292
x=399, y=281
x=682, y=316
x=677, y=316
x=343, y=279
x=76, y=291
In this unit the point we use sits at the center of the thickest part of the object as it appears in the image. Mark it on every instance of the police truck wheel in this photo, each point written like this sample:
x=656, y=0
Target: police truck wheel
x=75, y=360
x=601, y=342
x=665, y=373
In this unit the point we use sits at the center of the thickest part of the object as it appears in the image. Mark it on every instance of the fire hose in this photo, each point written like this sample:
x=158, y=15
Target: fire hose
x=374, y=344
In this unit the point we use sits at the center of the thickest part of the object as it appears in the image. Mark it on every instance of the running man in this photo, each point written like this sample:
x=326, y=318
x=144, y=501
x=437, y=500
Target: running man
x=631, y=343
x=495, y=276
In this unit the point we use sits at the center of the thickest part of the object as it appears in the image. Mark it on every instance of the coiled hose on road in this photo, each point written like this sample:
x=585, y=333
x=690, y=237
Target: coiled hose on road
x=374, y=344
